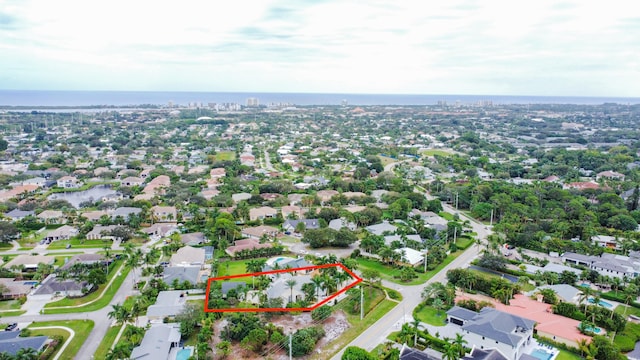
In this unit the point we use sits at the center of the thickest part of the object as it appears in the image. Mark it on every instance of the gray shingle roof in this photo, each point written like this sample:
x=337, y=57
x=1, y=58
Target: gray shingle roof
x=10, y=342
x=461, y=313
x=157, y=342
x=182, y=273
x=499, y=326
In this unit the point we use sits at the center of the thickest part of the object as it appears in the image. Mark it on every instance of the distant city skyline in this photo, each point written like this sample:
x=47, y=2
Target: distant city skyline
x=541, y=48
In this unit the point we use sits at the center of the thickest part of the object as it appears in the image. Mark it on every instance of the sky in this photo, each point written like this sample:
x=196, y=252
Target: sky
x=499, y=47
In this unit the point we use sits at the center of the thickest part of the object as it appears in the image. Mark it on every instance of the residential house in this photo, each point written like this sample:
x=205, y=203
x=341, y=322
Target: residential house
x=161, y=230
x=262, y=213
x=11, y=342
x=168, y=304
x=613, y=265
x=293, y=209
x=581, y=185
x=188, y=256
x=17, y=214
x=391, y=238
x=68, y=182
x=382, y=228
x=157, y=185
x=290, y=225
x=132, y=181
x=65, y=232
x=231, y=285
x=407, y=353
x=609, y=175
x=53, y=285
x=101, y=232
x=164, y=213
x=190, y=274
x=13, y=289
x=158, y=342
x=52, y=217
x=492, y=354
x=196, y=238
x=493, y=329
x=87, y=259
x=240, y=197
x=565, y=292
x=246, y=244
x=337, y=224
x=94, y=215
x=17, y=192
x=29, y=262
x=607, y=241
x=125, y=212
x=326, y=195
x=288, y=263
x=257, y=232
x=410, y=256
x=217, y=173
x=280, y=289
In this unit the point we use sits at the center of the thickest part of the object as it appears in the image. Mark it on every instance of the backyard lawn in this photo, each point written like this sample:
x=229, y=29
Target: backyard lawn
x=76, y=243
x=82, y=329
x=433, y=152
x=237, y=267
x=224, y=156
x=567, y=355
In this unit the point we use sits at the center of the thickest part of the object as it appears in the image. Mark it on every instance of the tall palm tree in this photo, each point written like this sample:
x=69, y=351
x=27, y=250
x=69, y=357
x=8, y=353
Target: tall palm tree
x=459, y=341
x=451, y=352
x=120, y=313
x=27, y=353
x=584, y=297
x=291, y=283
x=317, y=281
x=630, y=293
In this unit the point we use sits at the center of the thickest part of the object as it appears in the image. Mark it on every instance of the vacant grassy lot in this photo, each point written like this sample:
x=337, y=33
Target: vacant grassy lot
x=224, y=156
x=9, y=305
x=237, y=267
x=82, y=329
x=385, y=160
x=434, y=152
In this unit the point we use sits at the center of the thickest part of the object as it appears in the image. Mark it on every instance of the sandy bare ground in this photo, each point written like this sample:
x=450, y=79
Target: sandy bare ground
x=334, y=326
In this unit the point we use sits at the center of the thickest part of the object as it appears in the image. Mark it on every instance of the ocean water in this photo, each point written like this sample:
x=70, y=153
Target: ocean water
x=36, y=98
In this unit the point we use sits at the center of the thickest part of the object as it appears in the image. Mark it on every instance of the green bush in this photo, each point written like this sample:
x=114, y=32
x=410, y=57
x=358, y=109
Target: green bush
x=393, y=294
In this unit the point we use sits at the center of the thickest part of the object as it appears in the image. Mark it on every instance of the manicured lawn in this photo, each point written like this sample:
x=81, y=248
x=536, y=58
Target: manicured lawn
x=107, y=341
x=12, y=313
x=224, y=156
x=389, y=272
x=237, y=267
x=464, y=242
x=433, y=152
x=5, y=246
x=109, y=292
x=431, y=316
x=76, y=243
x=9, y=305
x=82, y=329
x=446, y=215
x=566, y=355
x=630, y=310
x=385, y=160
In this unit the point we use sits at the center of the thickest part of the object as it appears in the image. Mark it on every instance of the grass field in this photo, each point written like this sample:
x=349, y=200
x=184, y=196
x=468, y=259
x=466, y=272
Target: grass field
x=9, y=305
x=237, y=267
x=79, y=244
x=109, y=292
x=433, y=152
x=566, y=355
x=385, y=160
x=5, y=246
x=105, y=344
x=630, y=310
x=224, y=156
x=12, y=313
x=464, y=242
x=82, y=329
x=388, y=272
x=431, y=316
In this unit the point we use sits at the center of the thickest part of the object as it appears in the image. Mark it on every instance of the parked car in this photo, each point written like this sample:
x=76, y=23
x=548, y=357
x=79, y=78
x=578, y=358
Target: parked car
x=11, y=327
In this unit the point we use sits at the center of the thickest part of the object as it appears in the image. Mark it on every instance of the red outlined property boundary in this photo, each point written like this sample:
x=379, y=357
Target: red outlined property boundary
x=356, y=278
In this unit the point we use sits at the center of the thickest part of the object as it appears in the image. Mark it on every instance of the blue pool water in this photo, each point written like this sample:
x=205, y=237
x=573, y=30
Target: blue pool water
x=541, y=354
x=585, y=285
x=183, y=354
x=31, y=283
x=595, y=330
x=602, y=303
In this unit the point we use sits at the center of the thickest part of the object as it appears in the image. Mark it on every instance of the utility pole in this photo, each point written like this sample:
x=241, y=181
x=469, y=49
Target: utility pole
x=455, y=234
x=291, y=345
x=491, y=221
x=456, y=200
x=426, y=252
x=361, y=302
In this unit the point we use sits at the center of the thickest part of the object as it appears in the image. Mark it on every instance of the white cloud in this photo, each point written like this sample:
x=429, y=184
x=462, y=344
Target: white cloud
x=462, y=46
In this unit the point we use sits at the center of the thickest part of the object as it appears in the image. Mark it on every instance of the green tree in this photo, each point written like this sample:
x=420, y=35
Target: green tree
x=321, y=313
x=356, y=353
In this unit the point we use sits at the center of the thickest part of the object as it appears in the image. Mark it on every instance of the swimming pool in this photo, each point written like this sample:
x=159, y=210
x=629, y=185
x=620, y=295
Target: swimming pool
x=595, y=330
x=541, y=354
x=31, y=283
x=602, y=303
x=183, y=354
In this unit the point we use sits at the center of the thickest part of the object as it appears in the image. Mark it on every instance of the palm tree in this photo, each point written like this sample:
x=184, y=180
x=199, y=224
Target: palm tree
x=451, y=352
x=120, y=351
x=317, y=282
x=630, y=293
x=291, y=283
x=584, y=297
x=437, y=304
x=459, y=341
x=27, y=353
x=120, y=313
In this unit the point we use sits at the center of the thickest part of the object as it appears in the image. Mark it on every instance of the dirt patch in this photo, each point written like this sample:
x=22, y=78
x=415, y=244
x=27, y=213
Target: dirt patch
x=334, y=326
